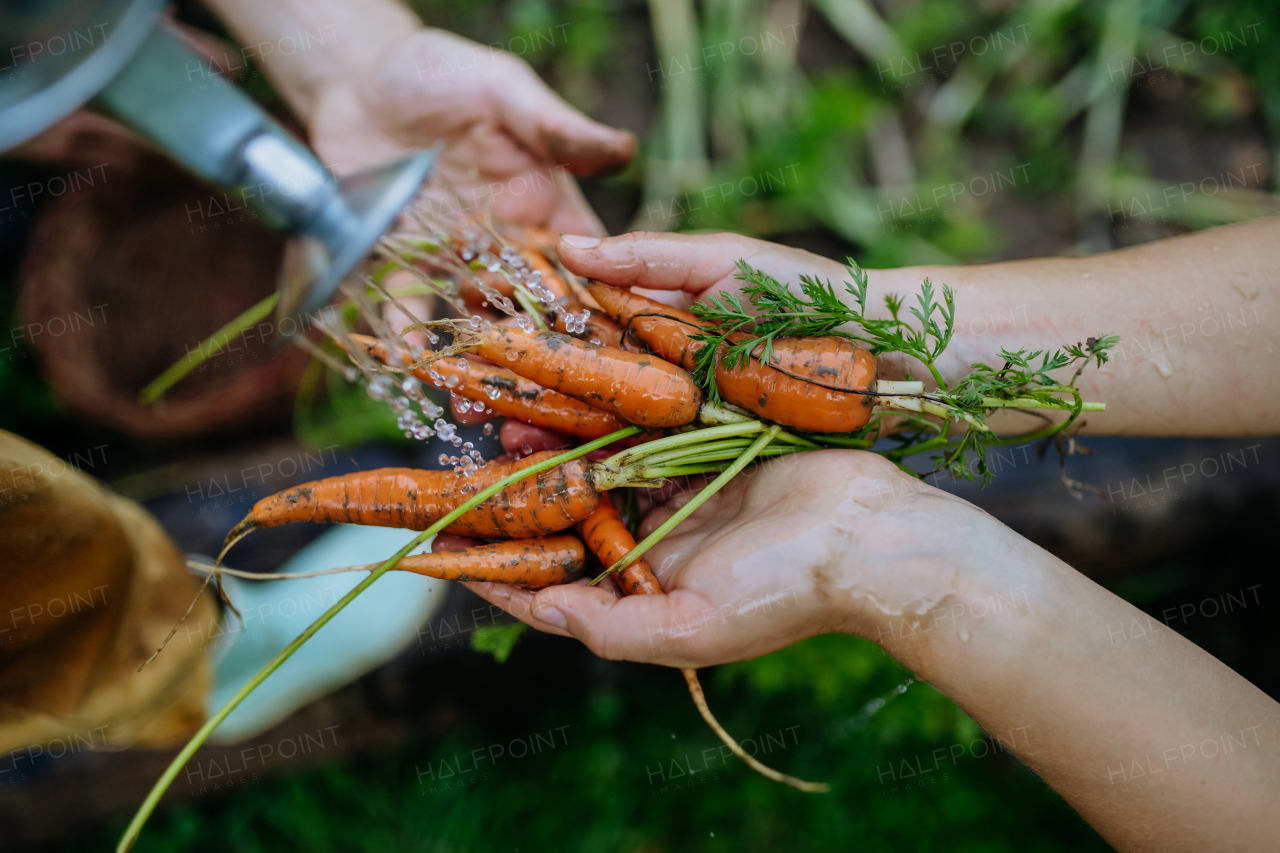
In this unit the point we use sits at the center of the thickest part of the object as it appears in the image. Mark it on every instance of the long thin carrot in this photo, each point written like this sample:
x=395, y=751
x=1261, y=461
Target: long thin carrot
x=509, y=394
x=814, y=384
x=610, y=540
x=414, y=499
x=642, y=389
x=531, y=563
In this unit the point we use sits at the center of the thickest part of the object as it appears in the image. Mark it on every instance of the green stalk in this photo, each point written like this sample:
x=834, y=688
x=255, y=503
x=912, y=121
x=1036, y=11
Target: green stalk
x=649, y=477
x=697, y=436
x=527, y=302
x=685, y=511
x=710, y=447
x=153, y=798
x=208, y=347
x=1032, y=403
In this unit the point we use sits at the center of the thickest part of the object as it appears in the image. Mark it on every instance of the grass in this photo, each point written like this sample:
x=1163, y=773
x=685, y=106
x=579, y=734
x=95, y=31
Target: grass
x=612, y=781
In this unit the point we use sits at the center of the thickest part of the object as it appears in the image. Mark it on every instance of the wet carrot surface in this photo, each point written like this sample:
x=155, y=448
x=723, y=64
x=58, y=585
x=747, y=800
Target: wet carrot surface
x=511, y=395
x=642, y=389
x=610, y=540
x=531, y=563
x=415, y=499
x=814, y=384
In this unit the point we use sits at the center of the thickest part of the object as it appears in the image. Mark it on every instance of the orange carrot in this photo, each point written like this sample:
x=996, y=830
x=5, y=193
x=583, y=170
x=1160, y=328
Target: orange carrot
x=551, y=278
x=608, y=538
x=415, y=499
x=600, y=329
x=531, y=563
x=643, y=389
x=516, y=397
x=819, y=384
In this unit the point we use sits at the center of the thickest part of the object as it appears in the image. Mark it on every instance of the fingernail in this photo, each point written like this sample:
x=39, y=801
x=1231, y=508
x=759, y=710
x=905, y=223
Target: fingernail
x=551, y=615
x=578, y=241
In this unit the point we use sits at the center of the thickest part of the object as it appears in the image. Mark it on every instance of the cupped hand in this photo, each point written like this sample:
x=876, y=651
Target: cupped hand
x=510, y=141
x=823, y=541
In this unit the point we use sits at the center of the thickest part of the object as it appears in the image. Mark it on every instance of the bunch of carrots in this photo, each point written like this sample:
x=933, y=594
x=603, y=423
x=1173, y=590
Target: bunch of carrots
x=667, y=393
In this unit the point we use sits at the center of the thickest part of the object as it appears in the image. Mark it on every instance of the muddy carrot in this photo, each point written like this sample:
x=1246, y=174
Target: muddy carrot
x=531, y=563
x=414, y=499
x=608, y=538
x=510, y=394
x=819, y=384
x=643, y=389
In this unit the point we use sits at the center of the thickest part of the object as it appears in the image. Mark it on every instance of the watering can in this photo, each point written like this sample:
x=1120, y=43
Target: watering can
x=118, y=58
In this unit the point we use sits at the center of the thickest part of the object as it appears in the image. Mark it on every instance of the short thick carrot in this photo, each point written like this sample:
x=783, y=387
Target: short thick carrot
x=531, y=563
x=643, y=389
x=415, y=499
x=610, y=540
x=510, y=394
x=819, y=384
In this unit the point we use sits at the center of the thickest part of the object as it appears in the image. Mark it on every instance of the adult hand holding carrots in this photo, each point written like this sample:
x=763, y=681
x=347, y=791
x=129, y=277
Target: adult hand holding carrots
x=1198, y=316
x=843, y=541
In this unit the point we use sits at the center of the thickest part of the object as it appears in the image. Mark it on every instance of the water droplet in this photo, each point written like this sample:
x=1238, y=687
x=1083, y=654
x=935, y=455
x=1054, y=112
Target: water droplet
x=443, y=459
x=462, y=364
x=494, y=393
x=400, y=404
x=463, y=405
x=964, y=635
x=413, y=388
x=488, y=429
x=452, y=381
x=525, y=450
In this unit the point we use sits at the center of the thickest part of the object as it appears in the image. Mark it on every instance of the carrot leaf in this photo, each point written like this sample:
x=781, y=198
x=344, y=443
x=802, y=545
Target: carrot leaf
x=739, y=330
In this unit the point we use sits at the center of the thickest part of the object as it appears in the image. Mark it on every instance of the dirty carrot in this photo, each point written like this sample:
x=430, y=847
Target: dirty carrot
x=643, y=389
x=508, y=393
x=414, y=499
x=610, y=540
x=531, y=563
x=818, y=384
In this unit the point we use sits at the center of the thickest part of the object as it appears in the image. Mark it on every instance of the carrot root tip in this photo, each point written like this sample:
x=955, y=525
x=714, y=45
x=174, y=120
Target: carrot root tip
x=699, y=698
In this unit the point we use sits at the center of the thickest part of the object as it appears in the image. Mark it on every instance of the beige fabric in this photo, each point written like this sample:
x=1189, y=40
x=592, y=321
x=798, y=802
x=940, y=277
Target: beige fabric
x=90, y=585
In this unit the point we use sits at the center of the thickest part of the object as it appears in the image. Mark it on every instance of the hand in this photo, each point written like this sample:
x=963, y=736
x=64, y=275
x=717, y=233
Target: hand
x=508, y=137
x=688, y=264
x=824, y=541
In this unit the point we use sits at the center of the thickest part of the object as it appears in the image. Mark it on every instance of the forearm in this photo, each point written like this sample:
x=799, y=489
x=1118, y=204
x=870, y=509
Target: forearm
x=1197, y=317
x=1153, y=741
x=305, y=45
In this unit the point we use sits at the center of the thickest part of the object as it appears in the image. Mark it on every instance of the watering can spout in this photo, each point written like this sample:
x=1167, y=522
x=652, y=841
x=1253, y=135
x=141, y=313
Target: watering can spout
x=145, y=76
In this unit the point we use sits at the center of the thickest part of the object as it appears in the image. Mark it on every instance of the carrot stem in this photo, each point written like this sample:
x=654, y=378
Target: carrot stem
x=209, y=347
x=157, y=791
x=685, y=511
